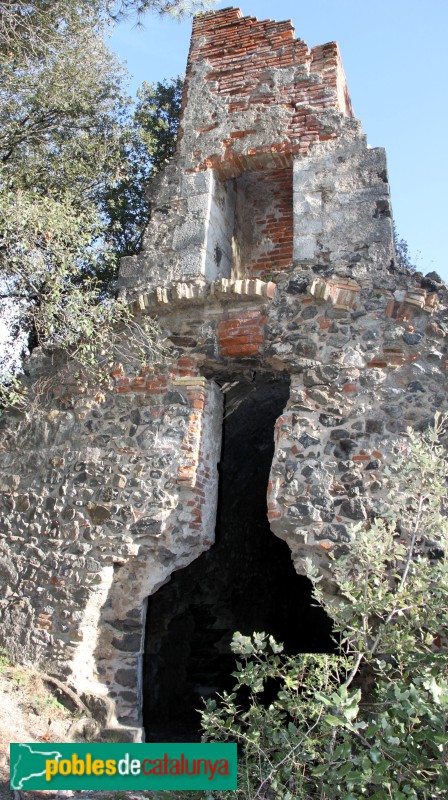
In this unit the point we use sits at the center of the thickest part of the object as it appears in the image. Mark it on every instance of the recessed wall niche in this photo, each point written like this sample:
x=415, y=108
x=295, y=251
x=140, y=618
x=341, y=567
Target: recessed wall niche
x=250, y=225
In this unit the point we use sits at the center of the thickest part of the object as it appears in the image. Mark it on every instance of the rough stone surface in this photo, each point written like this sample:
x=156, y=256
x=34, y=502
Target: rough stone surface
x=269, y=249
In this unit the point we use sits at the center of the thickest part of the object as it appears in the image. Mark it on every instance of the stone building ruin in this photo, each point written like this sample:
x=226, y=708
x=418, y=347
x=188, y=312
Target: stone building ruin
x=269, y=263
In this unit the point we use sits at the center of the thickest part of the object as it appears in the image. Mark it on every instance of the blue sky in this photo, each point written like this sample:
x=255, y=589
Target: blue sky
x=395, y=56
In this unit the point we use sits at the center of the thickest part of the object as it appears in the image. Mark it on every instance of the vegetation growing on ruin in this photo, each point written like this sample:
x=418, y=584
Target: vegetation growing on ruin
x=74, y=160
x=372, y=720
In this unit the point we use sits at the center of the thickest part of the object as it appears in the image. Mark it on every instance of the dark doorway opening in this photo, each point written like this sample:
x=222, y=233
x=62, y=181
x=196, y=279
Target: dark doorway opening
x=245, y=582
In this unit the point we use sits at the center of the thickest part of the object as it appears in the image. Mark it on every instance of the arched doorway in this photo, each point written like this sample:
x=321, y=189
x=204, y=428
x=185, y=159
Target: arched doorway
x=245, y=582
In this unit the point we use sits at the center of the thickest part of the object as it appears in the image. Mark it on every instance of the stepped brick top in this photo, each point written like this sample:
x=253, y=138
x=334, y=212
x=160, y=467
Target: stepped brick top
x=252, y=64
x=256, y=185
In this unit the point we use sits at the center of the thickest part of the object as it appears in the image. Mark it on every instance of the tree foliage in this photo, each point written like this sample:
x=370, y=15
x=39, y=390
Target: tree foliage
x=61, y=100
x=146, y=144
x=31, y=25
x=402, y=253
x=73, y=163
x=370, y=721
x=118, y=9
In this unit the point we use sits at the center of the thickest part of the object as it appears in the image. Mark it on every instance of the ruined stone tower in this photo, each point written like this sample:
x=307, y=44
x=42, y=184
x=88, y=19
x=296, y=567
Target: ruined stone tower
x=269, y=264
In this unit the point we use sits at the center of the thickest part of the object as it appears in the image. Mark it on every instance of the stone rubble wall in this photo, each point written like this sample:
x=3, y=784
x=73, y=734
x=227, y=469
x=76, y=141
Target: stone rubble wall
x=268, y=250
x=102, y=497
x=367, y=359
x=360, y=378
